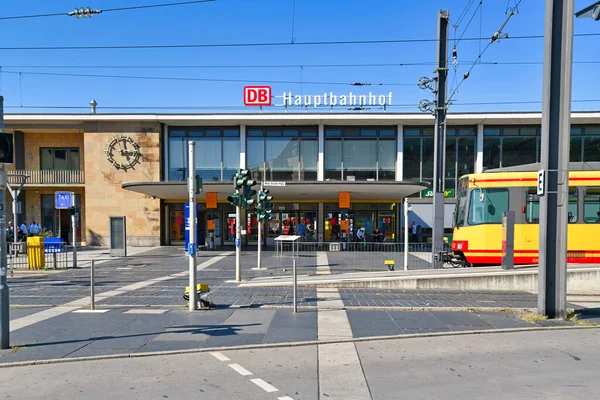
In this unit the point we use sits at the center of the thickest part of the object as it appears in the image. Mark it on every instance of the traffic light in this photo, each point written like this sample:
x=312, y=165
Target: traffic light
x=198, y=183
x=242, y=184
x=235, y=200
x=6, y=148
x=264, y=208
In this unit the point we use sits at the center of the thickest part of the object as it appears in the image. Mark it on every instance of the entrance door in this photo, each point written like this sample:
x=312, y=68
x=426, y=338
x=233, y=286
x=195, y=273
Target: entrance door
x=229, y=229
x=177, y=227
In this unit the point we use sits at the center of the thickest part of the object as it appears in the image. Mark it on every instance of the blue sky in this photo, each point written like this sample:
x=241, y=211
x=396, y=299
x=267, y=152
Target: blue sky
x=235, y=21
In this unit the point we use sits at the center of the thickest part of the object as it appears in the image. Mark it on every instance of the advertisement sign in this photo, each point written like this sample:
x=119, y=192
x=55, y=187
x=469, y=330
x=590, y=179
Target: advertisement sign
x=187, y=224
x=211, y=199
x=212, y=225
x=257, y=95
x=428, y=193
x=344, y=200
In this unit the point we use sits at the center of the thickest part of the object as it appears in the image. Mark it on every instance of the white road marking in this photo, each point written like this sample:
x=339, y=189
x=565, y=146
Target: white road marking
x=240, y=370
x=220, y=356
x=264, y=385
x=123, y=268
x=322, y=263
x=85, y=301
x=285, y=398
x=86, y=311
x=151, y=311
x=340, y=372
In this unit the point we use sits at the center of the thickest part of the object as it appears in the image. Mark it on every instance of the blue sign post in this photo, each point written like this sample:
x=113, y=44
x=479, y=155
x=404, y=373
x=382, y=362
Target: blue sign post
x=64, y=200
x=187, y=226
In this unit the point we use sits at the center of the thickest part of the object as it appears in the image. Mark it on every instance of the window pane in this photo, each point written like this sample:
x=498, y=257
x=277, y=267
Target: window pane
x=256, y=155
x=60, y=159
x=575, y=130
x=487, y=206
x=491, y=132
x=491, y=152
x=333, y=132
x=177, y=133
x=309, y=151
x=510, y=131
x=467, y=132
x=575, y=149
x=208, y=158
x=46, y=159
x=412, y=132
x=73, y=161
x=518, y=151
x=231, y=157
x=177, y=159
x=428, y=132
x=387, y=133
x=368, y=132
x=428, y=157
x=412, y=159
x=529, y=131
x=592, y=130
x=387, y=155
x=572, y=206
x=281, y=154
x=466, y=156
x=450, y=159
x=48, y=213
x=231, y=133
x=290, y=132
x=532, y=207
x=591, y=205
x=333, y=155
x=360, y=155
x=591, y=148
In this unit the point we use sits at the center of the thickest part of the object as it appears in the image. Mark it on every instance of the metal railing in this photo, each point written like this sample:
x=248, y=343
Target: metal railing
x=356, y=256
x=43, y=177
x=56, y=256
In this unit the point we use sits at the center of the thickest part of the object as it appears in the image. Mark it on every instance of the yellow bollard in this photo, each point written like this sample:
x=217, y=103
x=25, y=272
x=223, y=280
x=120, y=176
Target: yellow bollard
x=35, y=252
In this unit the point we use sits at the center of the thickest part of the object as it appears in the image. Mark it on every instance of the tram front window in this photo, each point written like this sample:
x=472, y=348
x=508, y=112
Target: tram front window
x=487, y=205
x=463, y=184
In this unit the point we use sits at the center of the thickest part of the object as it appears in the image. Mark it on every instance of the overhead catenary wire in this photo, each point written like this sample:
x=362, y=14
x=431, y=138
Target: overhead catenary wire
x=63, y=14
x=265, y=44
x=171, y=78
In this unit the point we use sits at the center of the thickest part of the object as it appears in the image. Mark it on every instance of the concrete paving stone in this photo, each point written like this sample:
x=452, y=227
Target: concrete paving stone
x=42, y=352
x=18, y=312
x=416, y=320
x=504, y=320
x=425, y=330
x=163, y=345
x=88, y=351
x=235, y=339
x=456, y=319
x=289, y=327
x=250, y=320
x=372, y=323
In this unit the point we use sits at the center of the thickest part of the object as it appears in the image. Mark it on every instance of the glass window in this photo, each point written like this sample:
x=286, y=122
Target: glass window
x=412, y=132
x=177, y=159
x=592, y=130
x=466, y=155
x=591, y=148
x=572, y=213
x=46, y=159
x=491, y=152
x=510, y=131
x=491, y=132
x=333, y=159
x=591, y=205
x=450, y=173
x=73, y=159
x=466, y=132
x=487, y=205
x=428, y=132
x=532, y=207
x=387, y=160
x=428, y=157
x=59, y=159
x=333, y=132
x=231, y=157
x=412, y=159
x=575, y=149
x=575, y=130
x=529, y=131
x=463, y=185
x=255, y=156
x=208, y=158
x=518, y=151
x=308, y=154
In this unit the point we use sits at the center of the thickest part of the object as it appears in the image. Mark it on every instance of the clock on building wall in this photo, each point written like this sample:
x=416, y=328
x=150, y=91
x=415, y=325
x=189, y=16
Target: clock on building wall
x=122, y=152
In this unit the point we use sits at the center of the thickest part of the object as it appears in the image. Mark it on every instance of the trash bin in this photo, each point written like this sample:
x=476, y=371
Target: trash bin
x=35, y=252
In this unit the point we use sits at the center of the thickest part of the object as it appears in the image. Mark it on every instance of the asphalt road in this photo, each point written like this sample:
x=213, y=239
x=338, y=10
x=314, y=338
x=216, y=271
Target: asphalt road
x=526, y=365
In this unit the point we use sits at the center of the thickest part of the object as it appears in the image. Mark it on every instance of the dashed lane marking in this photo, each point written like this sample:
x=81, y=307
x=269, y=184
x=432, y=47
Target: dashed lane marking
x=264, y=385
x=240, y=370
x=220, y=356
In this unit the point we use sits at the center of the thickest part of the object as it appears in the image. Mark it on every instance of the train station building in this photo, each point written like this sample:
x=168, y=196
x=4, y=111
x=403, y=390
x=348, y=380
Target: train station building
x=333, y=172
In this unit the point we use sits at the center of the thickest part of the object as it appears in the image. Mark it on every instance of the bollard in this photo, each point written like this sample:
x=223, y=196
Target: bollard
x=92, y=301
x=295, y=288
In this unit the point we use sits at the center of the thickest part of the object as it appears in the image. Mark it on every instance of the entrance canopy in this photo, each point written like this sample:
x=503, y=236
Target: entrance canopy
x=288, y=191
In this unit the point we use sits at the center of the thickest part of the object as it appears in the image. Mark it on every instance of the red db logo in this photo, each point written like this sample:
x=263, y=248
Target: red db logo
x=257, y=95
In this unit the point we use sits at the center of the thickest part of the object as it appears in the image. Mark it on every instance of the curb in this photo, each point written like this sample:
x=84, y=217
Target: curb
x=289, y=344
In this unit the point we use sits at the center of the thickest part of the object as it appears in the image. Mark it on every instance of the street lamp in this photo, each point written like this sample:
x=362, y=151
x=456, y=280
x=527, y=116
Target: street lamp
x=592, y=11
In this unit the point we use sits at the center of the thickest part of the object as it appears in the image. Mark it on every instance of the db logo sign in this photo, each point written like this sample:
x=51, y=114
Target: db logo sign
x=257, y=95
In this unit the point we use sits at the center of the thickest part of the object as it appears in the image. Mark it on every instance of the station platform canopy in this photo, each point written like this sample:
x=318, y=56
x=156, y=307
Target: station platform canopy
x=287, y=191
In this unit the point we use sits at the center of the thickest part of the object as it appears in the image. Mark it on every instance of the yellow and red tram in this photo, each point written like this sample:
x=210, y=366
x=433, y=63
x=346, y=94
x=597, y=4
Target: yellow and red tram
x=482, y=198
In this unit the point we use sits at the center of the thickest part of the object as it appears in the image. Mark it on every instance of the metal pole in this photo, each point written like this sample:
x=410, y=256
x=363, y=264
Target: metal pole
x=440, y=140
x=556, y=114
x=295, y=286
x=260, y=233
x=238, y=243
x=4, y=299
x=92, y=284
x=193, y=228
x=74, y=237
x=406, y=234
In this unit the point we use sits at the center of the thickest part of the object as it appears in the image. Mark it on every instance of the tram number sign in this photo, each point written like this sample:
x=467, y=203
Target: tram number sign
x=540, y=182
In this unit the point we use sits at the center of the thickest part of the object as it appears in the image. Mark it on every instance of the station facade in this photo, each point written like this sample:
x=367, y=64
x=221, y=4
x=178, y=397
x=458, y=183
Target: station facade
x=332, y=172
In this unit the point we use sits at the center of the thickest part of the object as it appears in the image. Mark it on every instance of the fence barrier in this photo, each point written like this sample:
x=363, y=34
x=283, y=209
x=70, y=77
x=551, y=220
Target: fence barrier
x=56, y=255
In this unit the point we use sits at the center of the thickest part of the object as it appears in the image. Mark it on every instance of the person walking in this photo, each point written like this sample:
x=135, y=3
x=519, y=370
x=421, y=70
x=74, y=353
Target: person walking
x=413, y=230
x=23, y=228
x=301, y=231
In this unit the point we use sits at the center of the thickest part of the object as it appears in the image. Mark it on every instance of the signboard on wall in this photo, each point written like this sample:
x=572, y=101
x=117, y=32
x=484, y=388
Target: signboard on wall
x=64, y=200
x=211, y=199
x=428, y=193
x=344, y=200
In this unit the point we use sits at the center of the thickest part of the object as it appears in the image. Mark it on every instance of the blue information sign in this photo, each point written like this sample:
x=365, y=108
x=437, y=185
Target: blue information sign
x=187, y=225
x=64, y=200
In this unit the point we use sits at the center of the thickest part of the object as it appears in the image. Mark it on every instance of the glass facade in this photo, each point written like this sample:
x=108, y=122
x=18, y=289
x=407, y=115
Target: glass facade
x=283, y=153
x=217, y=152
x=585, y=143
x=353, y=153
x=510, y=145
x=59, y=159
